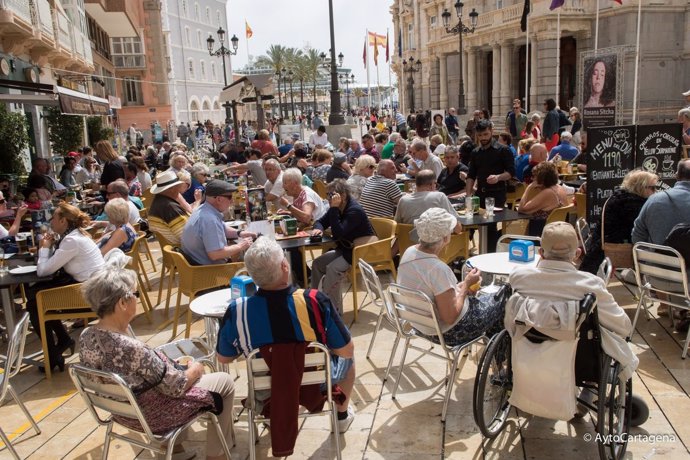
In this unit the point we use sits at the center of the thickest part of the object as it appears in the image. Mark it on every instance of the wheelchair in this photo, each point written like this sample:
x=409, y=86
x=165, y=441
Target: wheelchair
x=612, y=400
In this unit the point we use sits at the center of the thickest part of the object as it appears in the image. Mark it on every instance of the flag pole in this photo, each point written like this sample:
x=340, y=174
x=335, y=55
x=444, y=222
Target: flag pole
x=596, y=31
x=388, y=59
x=527, y=66
x=366, y=41
x=558, y=57
x=637, y=62
x=378, y=85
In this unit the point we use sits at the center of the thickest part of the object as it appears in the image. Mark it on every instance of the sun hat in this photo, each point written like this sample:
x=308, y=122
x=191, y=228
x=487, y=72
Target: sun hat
x=164, y=181
x=434, y=225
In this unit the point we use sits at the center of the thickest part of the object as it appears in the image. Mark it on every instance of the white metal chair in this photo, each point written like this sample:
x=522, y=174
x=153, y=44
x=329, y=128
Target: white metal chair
x=660, y=270
x=15, y=352
x=258, y=380
x=413, y=309
x=375, y=292
x=108, y=392
x=605, y=270
x=194, y=347
x=583, y=233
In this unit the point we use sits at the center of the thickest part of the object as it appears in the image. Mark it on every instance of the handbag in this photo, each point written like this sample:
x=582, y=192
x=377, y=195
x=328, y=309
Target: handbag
x=621, y=254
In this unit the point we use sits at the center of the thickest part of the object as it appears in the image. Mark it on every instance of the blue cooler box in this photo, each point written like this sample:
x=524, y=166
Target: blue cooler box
x=242, y=286
x=521, y=250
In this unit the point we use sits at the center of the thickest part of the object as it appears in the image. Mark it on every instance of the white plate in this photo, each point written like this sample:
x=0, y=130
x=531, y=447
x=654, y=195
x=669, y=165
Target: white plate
x=23, y=270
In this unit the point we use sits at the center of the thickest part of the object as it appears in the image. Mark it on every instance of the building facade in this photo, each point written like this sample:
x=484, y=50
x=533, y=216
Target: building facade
x=196, y=78
x=498, y=68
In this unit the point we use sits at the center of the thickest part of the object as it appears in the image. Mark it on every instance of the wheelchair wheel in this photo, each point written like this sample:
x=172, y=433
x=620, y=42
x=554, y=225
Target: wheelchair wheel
x=613, y=411
x=639, y=411
x=492, y=386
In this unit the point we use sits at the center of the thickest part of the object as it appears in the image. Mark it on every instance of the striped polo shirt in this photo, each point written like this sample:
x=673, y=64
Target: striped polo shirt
x=282, y=316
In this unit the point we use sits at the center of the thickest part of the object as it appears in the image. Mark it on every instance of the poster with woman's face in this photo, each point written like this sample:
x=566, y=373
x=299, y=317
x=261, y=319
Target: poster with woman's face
x=599, y=90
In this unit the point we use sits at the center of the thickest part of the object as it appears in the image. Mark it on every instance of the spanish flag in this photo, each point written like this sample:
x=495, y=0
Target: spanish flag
x=248, y=30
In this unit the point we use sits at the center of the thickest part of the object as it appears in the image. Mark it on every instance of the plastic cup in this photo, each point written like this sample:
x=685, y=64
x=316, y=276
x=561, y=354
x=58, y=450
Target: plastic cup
x=489, y=203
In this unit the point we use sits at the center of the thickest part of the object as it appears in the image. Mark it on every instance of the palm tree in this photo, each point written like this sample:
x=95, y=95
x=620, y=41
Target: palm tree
x=312, y=61
x=292, y=58
x=274, y=59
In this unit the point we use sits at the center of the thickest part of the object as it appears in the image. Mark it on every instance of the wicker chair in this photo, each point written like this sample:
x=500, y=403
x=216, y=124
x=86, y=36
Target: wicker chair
x=194, y=279
x=166, y=265
x=60, y=303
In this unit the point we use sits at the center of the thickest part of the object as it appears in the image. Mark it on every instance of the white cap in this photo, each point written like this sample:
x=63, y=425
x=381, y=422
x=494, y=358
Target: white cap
x=687, y=93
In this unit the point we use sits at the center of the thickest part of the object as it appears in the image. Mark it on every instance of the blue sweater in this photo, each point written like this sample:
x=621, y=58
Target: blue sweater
x=661, y=213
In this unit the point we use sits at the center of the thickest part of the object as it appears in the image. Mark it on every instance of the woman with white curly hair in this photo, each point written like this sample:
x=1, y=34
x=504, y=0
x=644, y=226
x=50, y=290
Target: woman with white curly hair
x=420, y=268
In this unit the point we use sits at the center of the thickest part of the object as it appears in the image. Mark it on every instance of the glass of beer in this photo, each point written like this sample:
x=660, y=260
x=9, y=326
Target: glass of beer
x=22, y=244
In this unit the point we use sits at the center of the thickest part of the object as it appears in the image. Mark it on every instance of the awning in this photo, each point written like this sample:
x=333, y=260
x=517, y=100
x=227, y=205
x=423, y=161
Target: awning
x=76, y=103
x=246, y=87
x=31, y=93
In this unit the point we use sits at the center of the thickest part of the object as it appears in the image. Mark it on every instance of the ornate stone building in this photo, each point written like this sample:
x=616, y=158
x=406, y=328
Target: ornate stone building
x=495, y=60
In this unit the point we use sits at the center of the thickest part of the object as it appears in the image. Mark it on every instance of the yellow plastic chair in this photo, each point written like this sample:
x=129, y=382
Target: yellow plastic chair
x=166, y=265
x=512, y=198
x=60, y=303
x=320, y=188
x=402, y=237
x=138, y=266
x=560, y=214
x=377, y=254
x=196, y=278
x=581, y=205
x=459, y=246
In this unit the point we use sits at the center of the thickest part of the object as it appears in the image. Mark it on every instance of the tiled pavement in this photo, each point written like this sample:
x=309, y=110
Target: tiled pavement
x=408, y=427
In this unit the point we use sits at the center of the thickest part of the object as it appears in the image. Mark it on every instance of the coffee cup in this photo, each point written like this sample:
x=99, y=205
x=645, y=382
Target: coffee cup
x=184, y=360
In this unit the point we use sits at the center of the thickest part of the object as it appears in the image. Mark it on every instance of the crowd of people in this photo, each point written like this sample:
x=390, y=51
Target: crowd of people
x=189, y=206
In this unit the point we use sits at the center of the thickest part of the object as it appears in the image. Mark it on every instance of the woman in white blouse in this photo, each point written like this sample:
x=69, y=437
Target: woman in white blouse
x=70, y=256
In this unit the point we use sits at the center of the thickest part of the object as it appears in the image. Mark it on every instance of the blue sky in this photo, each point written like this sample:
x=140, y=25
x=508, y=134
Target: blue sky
x=297, y=23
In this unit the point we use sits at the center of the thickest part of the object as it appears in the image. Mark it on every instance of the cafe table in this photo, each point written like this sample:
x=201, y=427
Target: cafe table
x=7, y=282
x=302, y=242
x=482, y=220
x=499, y=263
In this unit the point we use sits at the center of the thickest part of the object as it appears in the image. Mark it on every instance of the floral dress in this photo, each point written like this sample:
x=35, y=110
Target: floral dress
x=157, y=383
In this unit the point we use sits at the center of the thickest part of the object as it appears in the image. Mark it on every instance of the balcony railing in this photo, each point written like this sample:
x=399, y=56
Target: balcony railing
x=130, y=61
x=63, y=30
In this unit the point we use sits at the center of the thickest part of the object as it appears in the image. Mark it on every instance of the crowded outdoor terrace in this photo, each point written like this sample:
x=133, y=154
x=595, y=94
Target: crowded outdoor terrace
x=153, y=285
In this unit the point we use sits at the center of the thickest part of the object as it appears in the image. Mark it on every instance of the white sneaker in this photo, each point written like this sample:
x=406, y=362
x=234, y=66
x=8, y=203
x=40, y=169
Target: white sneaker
x=344, y=424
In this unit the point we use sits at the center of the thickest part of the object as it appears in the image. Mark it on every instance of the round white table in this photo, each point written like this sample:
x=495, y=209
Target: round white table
x=212, y=304
x=498, y=263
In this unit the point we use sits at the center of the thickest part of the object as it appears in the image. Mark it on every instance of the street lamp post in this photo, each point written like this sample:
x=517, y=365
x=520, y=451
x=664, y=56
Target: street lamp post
x=411, y=67
x=221, y=53
x=290, y=78
x=280, y=97
x=347, y=80
x=460, y=29
x=334, y=117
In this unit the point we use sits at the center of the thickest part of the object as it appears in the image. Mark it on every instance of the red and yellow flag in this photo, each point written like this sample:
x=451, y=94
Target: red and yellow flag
x=376, y=39
x=247, y=29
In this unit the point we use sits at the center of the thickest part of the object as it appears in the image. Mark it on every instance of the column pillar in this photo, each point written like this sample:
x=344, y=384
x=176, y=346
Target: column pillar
x=533, y=71
x=496, y=79
x=506, y=74
x=434, y=82
x=471, y=81
x=443, y=80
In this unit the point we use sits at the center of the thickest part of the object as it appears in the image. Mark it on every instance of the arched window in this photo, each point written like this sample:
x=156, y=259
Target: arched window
x=187, y=37
x=208, y=15
x=199, y=42
x=213, y=72
x=196, y=11
x=185, y=9
x=216, y=105
x=206, y=106
x=202, y=66
x=193, y=111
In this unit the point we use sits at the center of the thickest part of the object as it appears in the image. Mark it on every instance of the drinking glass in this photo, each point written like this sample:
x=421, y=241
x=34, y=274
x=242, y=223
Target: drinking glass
x=489, y=203
x=3, y=264
x=22, y=245
x=469, y=207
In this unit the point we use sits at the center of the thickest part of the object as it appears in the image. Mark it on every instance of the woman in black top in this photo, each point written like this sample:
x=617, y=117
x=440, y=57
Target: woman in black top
x=112, y=167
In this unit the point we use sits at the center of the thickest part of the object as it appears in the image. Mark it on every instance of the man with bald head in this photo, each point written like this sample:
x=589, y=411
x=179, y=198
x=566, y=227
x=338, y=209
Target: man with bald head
x=537, y=154
x=381, y=194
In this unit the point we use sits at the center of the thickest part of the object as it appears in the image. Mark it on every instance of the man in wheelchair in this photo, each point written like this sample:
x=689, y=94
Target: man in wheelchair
x=555, y=287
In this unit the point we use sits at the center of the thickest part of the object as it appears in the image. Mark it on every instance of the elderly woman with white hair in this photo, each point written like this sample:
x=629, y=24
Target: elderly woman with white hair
x=123, y=235
x=199, y=175
x=364, y=168
x=460, y=319
x=186, y=178
x=178, y=161
x=169, y=394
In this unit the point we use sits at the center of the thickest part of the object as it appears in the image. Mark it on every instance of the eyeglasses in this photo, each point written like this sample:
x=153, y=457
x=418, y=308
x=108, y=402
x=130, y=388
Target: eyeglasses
x=132, y=294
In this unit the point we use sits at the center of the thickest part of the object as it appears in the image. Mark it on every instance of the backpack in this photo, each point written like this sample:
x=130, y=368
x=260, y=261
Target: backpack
x=679, y=239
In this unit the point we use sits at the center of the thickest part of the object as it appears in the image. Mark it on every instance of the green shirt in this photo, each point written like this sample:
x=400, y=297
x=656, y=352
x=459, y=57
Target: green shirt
x=387, y=151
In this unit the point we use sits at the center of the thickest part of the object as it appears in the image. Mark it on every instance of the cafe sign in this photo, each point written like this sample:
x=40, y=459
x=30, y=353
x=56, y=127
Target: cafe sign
x=659, y=150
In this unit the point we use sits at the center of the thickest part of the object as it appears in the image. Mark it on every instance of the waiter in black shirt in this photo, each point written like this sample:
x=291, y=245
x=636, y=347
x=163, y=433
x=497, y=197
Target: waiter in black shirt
x=491, y=167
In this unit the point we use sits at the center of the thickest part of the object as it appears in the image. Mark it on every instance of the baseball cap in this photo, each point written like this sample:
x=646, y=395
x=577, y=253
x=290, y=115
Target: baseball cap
x=339, y=158
x=434, y=224
x=687, y=93
x=73, y=154
x=559, y=239
x=216, y=187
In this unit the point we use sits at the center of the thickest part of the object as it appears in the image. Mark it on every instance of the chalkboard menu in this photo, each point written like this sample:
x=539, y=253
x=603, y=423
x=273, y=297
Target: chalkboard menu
x=658, y=150
x=610, y=156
